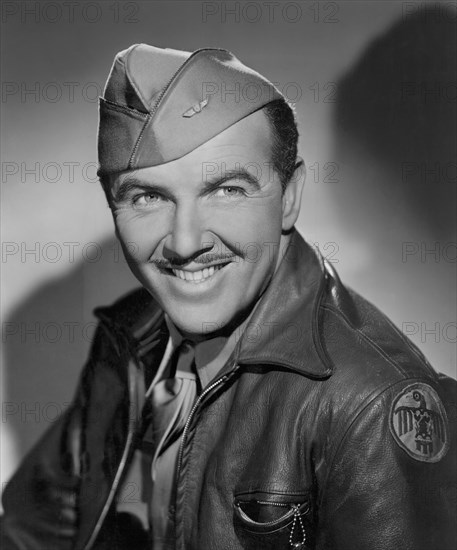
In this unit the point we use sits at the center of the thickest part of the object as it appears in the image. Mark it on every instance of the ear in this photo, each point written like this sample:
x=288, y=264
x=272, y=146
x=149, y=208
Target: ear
x=291, y=199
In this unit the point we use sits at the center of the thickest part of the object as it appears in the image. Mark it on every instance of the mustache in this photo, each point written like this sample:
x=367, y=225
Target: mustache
x=204, y=259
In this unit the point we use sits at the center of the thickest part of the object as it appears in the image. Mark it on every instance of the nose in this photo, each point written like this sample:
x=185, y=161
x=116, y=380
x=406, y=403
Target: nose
x=185, y=240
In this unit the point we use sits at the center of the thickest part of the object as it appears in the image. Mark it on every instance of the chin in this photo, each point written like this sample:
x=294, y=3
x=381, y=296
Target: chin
x=199, y=323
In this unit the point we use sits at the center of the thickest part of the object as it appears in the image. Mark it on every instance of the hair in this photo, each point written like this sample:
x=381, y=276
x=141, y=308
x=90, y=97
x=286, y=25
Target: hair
x=285, y=138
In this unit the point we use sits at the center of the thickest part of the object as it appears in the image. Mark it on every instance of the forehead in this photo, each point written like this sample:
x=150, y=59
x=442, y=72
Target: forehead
x=246, y=144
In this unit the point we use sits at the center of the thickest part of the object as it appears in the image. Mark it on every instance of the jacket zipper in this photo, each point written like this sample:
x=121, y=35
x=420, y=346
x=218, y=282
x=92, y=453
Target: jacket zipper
x=192, y=412
x=190, y=417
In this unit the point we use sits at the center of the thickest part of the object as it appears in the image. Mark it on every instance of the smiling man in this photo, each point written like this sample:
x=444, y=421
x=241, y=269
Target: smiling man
x=243, y=398
x=207, y=249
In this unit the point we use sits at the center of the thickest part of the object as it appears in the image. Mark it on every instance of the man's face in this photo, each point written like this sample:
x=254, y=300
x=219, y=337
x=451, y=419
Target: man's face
x=203, y=233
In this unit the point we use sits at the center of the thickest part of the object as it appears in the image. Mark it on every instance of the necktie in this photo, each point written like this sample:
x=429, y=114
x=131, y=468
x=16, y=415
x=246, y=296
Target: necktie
x=172, y=399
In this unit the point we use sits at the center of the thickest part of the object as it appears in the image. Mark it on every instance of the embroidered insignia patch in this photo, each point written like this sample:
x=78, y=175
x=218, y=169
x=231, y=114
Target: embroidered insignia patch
x=418, y=423
x=197, y=108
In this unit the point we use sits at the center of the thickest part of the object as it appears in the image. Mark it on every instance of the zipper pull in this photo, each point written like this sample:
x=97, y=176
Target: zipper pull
x=301, y=544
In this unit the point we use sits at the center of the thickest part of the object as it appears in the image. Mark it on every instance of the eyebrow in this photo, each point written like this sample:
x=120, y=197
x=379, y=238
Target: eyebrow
x=132, y=183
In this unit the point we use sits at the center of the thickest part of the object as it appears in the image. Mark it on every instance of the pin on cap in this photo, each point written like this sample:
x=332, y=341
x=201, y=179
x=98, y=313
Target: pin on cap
x=161, y=104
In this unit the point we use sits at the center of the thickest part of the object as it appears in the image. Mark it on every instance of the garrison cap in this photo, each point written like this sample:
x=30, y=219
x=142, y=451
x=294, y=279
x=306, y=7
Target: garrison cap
x=160, y=104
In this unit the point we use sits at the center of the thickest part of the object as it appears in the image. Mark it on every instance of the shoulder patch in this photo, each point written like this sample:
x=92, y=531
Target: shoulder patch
x=418, y=423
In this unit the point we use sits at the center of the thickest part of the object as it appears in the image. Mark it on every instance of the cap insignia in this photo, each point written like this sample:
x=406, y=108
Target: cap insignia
x=195, y=109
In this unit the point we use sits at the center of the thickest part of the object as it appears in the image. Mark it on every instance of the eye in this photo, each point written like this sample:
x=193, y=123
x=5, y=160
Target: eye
x=146, y=199
x=229, y=191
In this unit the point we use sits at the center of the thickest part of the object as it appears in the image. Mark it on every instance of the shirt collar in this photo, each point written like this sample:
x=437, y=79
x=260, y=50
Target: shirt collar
x=210, y=354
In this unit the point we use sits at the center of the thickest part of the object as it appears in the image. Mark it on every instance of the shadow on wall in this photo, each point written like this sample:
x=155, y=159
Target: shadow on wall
x=395, y=140
x=396, y=108
x=47, y=339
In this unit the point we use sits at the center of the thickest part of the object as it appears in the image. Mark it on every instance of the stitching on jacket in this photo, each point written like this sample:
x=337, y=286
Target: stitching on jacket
x=281, y=493
x=410, y=345
x=322, y=292
x=397, y=331
x=365, y=337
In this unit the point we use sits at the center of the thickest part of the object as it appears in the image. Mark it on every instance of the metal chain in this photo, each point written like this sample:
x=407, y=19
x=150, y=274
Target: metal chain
x=297, y=545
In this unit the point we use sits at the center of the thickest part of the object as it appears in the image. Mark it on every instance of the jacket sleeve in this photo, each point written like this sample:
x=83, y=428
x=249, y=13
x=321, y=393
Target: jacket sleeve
x=392, y=480
x=40, y=501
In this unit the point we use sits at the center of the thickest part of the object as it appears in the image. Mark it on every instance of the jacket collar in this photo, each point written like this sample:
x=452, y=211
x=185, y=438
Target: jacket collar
x=283, y=329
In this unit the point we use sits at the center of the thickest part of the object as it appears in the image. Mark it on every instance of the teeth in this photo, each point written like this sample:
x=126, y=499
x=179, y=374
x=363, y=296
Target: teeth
x=196, y=276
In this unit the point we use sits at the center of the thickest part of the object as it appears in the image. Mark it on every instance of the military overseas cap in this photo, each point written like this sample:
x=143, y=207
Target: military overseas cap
x=160, y=104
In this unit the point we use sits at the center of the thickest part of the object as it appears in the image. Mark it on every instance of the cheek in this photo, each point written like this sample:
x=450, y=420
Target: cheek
x=255, y=222
x=139, y=233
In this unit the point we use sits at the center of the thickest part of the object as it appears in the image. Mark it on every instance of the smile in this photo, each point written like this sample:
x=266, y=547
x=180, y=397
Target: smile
x=197, y=276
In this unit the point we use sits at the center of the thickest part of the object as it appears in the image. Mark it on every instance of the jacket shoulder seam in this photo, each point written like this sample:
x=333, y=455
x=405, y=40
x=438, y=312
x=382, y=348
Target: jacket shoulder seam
x=371, y=342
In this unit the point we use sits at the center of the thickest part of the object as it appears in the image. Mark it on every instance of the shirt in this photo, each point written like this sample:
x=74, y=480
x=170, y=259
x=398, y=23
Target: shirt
x=151, y=476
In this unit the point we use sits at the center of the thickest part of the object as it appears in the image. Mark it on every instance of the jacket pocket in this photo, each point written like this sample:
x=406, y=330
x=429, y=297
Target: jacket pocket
x=278, y=519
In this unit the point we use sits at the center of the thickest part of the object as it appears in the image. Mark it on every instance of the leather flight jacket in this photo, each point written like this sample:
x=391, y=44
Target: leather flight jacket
x=329, y=430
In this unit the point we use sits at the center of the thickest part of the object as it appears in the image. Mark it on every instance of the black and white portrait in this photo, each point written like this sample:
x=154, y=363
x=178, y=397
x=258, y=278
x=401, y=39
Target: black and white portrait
x=228, y=275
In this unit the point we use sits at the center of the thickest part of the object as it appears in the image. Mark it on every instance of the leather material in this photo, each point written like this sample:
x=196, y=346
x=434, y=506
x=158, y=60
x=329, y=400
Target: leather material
x=297, y=425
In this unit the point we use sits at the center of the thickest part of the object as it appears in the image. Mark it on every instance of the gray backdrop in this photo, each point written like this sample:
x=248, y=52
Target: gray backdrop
x=374, y=85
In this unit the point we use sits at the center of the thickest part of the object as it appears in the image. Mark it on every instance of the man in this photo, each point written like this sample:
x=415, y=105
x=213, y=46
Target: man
x=244, y=398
